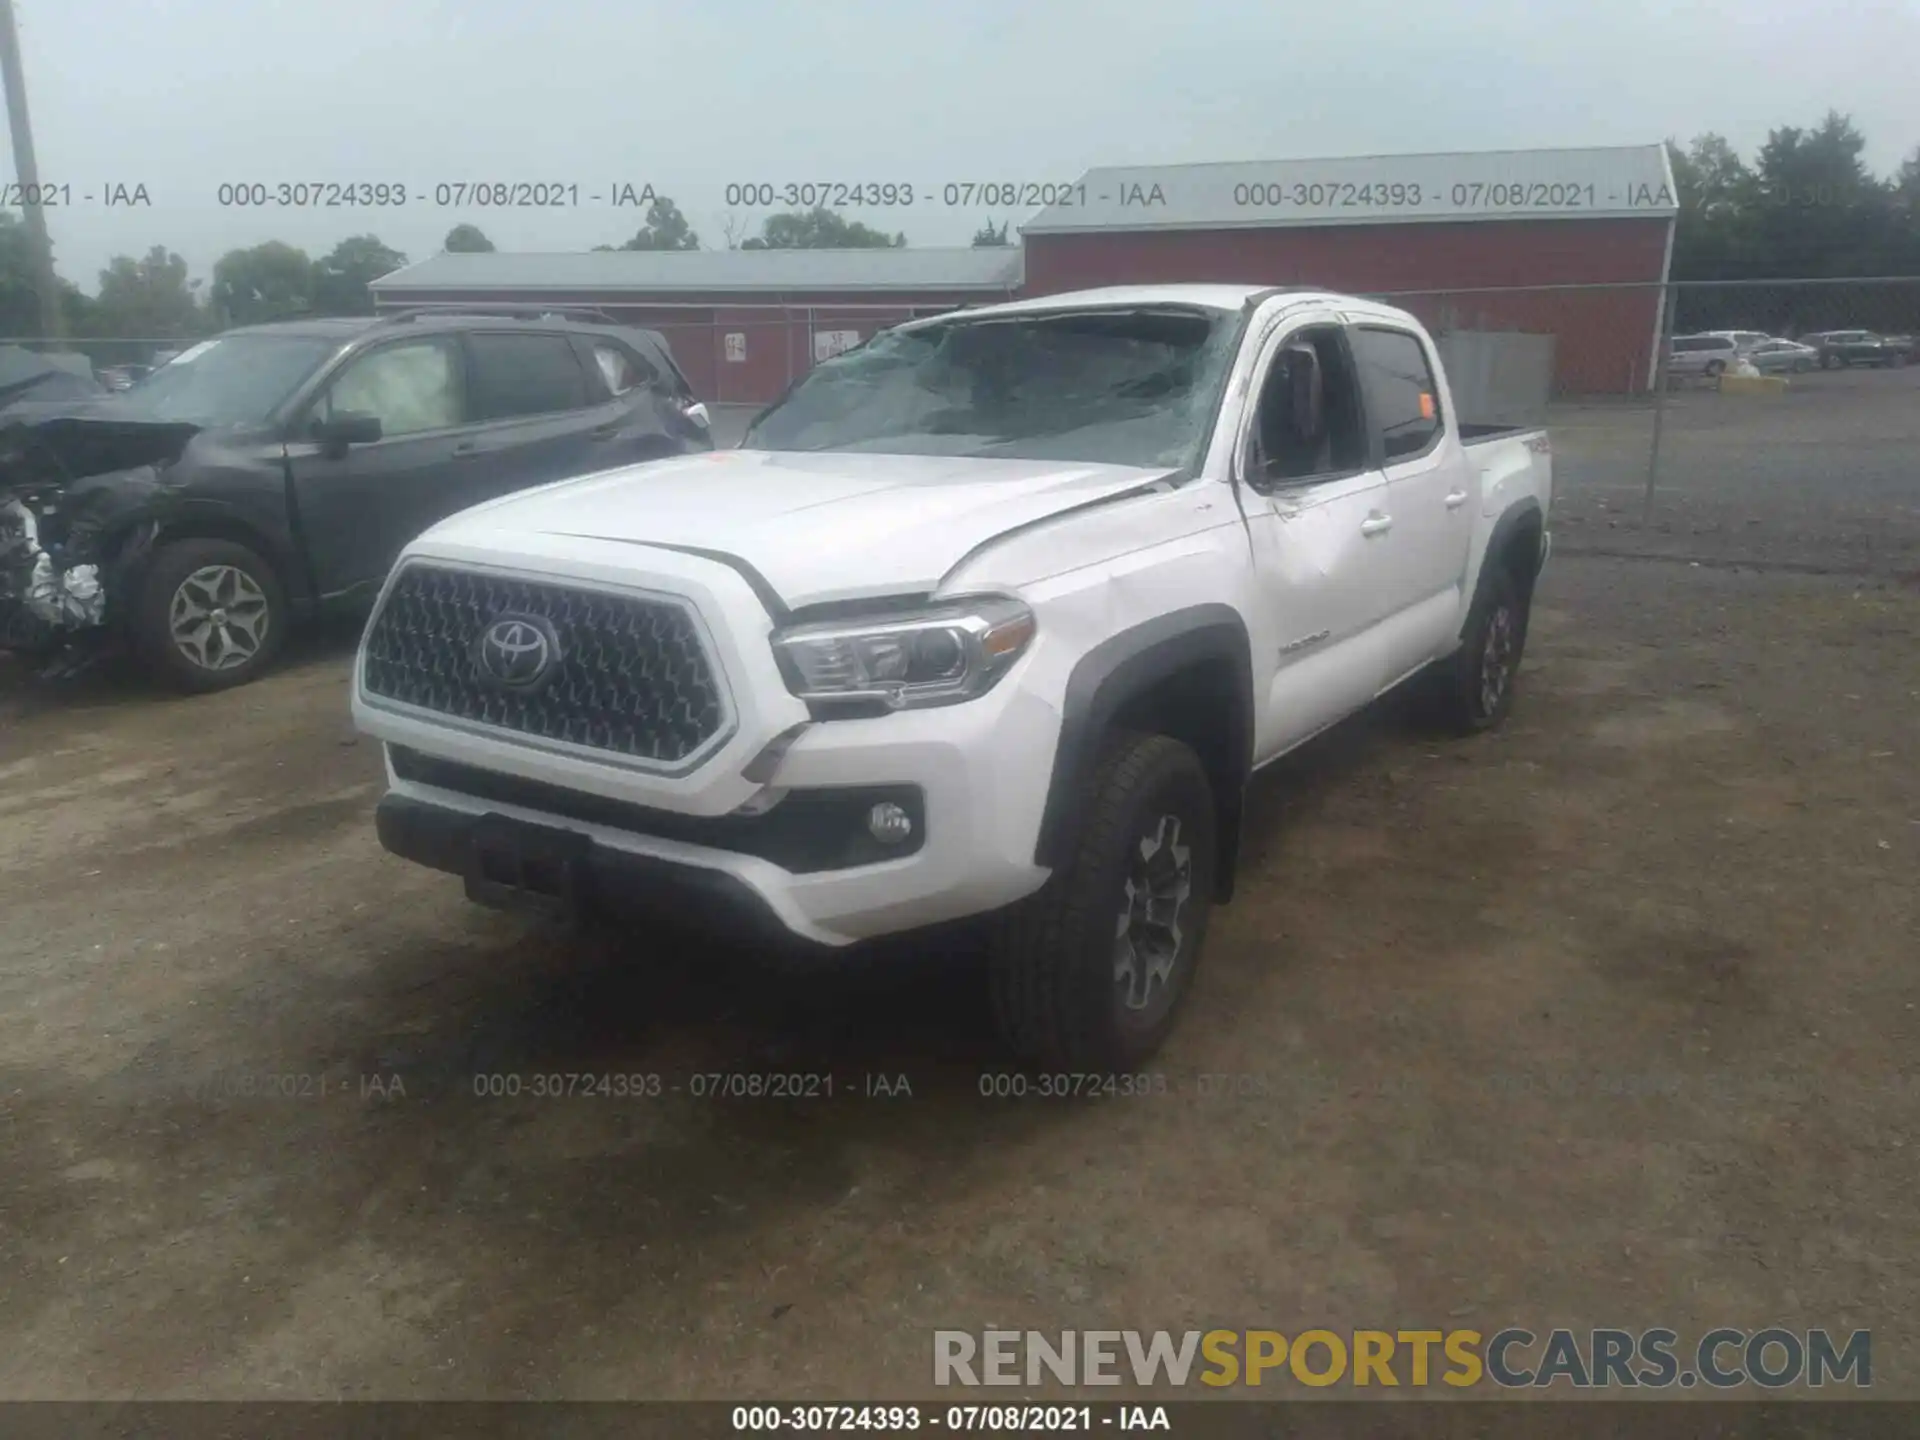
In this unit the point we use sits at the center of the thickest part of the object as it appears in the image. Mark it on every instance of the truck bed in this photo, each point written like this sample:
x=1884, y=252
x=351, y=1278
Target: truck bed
x=1479, y=434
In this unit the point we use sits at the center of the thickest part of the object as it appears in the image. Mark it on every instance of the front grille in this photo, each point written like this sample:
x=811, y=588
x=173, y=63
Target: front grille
x=631, y=676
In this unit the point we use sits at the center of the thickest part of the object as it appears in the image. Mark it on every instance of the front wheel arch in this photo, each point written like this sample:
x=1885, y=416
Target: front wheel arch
x=1187, y=674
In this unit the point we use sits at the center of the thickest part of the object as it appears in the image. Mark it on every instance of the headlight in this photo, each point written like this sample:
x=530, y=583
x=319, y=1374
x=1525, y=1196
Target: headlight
x=937, y=656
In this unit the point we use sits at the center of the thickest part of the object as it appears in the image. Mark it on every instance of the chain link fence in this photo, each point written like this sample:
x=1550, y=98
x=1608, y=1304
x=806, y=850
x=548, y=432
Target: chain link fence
x=1815, y=466
x=1674, y=451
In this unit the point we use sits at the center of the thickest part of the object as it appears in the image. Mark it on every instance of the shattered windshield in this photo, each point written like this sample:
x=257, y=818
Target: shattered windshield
x=1126, y=387
x=234, y=380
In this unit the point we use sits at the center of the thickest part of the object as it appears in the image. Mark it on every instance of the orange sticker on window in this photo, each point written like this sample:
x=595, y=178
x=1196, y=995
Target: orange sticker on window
x=1426, y=406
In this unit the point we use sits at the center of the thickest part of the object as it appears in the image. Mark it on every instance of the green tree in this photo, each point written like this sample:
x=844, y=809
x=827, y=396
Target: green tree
x=1906, y=184
x=80, y=310
x=1905, y=201
x=666, y=229
x=1821, y=212
x=1716, y=197
x=269, y=281
x=820, y=229
x=149, y=299
x=1808, y=206
x=340, y=279
x=986, y=235
x=466, y=239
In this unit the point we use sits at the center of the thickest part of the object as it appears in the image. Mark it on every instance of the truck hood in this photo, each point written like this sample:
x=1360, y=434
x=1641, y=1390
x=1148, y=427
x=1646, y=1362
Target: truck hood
x=816, y=526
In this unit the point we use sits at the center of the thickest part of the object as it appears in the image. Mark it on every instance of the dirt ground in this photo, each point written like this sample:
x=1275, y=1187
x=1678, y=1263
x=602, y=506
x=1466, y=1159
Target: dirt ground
x=1607, y=1019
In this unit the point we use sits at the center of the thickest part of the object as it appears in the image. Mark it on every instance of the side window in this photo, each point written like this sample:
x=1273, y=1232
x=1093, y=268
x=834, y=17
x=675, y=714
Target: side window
x=621, y=370
x=1307, y=425
x=1401, y=392
x=516, y=374
x=413, y=387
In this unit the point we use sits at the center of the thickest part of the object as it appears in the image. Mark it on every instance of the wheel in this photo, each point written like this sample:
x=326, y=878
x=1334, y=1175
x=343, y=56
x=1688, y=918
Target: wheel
x=1089, y=974
x=209, y=615
x=1715, y=368
x=1831, y=362
x=1472, y=690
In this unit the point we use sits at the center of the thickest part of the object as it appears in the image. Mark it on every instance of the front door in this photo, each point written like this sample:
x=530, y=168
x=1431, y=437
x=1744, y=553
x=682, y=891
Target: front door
x=357, y=510
x=1316, y=513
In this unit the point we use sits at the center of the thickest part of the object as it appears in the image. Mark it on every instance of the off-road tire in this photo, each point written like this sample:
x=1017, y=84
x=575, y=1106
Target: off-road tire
x=149, y=621
x=1054, y=962
x=1456, y=689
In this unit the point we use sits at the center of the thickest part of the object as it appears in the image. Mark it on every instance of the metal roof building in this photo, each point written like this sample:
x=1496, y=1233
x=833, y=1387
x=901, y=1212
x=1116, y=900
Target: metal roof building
x=760, y=273
x=744, y=324
x=1469, y=241
x=1496, y=241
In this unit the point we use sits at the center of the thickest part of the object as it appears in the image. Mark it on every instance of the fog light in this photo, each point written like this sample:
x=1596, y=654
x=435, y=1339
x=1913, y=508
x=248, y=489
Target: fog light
x=888, y=823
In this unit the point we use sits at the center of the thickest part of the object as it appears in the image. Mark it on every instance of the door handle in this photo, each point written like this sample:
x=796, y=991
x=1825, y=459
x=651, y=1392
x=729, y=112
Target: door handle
x=1455, y=499
x=1376, y=524
x=466, y=450
x=606, y=431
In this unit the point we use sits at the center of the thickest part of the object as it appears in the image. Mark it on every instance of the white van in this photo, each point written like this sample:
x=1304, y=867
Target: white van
x=1702, y=354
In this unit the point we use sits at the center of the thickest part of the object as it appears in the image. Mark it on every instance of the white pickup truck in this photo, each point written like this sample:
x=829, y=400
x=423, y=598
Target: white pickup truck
x=994, y=616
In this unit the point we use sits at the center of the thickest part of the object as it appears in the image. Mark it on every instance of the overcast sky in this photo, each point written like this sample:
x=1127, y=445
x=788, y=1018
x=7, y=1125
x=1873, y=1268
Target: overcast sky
x=181, y=95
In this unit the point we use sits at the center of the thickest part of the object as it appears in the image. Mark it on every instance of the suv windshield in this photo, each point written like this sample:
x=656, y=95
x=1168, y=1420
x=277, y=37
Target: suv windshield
x=1127, y=387
x=234, y=380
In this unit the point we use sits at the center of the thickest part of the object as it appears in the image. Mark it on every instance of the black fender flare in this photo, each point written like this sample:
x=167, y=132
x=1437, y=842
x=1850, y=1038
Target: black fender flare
x=1122, y=668
x=1521, y=512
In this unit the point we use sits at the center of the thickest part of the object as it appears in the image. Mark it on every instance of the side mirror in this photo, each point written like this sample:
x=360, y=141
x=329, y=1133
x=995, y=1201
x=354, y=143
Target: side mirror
x=697, y=413
x=347, y=428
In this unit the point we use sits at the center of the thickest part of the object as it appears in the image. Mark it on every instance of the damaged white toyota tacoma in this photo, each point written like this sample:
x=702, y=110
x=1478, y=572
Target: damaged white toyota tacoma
x=993, y=617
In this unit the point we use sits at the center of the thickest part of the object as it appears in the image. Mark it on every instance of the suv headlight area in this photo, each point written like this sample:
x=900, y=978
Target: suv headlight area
x=942, y=655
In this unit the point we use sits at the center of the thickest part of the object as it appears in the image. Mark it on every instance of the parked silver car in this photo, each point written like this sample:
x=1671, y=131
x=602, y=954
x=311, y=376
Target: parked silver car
x=1770, y=357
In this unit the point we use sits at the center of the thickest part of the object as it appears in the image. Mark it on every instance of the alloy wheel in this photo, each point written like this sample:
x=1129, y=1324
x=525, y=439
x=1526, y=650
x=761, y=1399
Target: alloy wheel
x=218, y=617
x=1148, y=936
x=1496, y=660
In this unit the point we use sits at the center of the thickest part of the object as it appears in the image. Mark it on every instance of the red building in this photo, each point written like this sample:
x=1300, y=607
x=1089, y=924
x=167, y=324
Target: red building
x=1472, y=242
x=1573, y=244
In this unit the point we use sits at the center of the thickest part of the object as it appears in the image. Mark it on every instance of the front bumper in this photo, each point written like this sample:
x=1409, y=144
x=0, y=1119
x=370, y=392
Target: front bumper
x=618, y=882
x=978, y=770
x=972, y=775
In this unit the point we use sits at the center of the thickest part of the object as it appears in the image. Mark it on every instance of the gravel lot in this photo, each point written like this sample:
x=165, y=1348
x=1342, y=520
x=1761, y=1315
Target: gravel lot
x=1608, y=1019
x=1825, y=477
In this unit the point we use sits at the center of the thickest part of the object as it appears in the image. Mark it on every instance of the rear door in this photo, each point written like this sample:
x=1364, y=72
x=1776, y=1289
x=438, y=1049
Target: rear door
x=1429, y=492
x=357, y=510
x=538, y=413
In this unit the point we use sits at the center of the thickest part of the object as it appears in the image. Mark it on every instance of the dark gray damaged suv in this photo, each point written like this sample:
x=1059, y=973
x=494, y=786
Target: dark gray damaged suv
x=274, y=473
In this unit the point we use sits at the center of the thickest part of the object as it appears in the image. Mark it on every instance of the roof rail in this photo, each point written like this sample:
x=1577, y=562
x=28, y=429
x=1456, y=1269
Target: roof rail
x=507, y=309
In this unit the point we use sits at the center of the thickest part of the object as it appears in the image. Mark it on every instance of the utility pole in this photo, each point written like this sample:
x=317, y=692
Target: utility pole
x=28, y=173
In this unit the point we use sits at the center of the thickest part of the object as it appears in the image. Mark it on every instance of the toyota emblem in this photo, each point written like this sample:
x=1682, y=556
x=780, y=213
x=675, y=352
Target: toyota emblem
x=517, y=651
